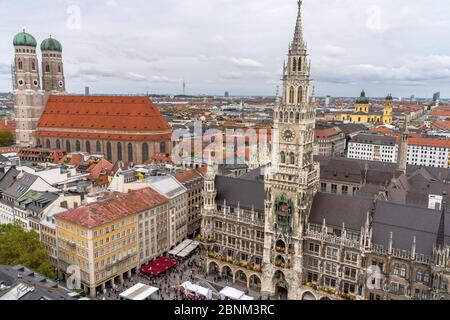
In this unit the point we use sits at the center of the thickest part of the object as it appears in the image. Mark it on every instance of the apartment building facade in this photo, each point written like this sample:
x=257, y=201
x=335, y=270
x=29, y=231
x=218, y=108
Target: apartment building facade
x=103, y=239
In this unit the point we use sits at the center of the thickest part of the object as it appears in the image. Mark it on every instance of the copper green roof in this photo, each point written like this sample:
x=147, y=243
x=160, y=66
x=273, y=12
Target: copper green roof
x=24, y=39
x=51, y=44
x=362, y=99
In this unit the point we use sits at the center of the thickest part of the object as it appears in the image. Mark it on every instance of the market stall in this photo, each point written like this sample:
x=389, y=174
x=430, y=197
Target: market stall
x=196, y=291
x=140, y=292
x=158, y=266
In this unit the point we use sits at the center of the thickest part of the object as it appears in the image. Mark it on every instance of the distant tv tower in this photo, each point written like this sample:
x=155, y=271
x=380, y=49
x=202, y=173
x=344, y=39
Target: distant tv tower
x=184, y=87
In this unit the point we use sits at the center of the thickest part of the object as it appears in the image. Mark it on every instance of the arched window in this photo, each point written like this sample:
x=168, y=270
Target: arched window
x=283, y=157
x=294, y=65
x=281, y=115
x=292, y=158
x=144, y=152
x=20, y=65
x=47, y=67
x=297, y=117
x=300, y=95
x=162, y=147
x=38, y=142
x=88, y=147
x=300, y=64
x=291, y=95
x=33, y=65
x=109, y=151
x=78, y=146
x=98, y=147
x=130, y=152
x=58, y=144
x=119, y=151
x=47, y=144
x=68, y=147
x=292, y=117
x=59, y=67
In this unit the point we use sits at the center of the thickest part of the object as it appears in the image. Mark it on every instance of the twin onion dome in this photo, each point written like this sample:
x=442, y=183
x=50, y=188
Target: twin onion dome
x=51, y=44
x=26, y=39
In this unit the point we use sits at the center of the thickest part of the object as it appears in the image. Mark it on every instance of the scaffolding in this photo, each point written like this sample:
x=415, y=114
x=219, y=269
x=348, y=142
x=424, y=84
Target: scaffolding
x=13, y=77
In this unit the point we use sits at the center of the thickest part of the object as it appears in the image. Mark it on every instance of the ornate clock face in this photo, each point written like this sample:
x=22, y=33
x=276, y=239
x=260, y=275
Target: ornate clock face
x=288, y=135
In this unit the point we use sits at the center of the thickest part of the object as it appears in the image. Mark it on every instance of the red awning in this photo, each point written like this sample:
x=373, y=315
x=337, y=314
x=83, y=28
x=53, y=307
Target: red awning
x=159, y=266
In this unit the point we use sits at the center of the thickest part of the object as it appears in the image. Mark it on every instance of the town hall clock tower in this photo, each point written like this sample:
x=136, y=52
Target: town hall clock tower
x=293, y=177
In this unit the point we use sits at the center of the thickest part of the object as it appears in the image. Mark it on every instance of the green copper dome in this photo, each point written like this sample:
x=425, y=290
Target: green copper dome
x=51, y=44
x=24, y=39
x=362, y=99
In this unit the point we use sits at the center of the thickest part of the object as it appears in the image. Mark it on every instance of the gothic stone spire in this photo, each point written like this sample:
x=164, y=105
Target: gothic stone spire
x=298, y=43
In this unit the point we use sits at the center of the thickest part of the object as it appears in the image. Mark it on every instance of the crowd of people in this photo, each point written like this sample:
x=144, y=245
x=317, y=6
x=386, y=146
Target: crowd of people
x=169, y=283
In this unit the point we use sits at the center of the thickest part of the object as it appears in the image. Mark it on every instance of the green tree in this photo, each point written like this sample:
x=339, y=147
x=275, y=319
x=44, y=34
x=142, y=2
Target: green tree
x=6, y=138
x=18, y=246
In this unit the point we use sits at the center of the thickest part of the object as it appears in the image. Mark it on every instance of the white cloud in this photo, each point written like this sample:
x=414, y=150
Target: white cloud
x=391, y=46
x=134, y=76
x=334, y=50
x=161, y=79
x=231, y=75
x=244, y=62
x=112, y=3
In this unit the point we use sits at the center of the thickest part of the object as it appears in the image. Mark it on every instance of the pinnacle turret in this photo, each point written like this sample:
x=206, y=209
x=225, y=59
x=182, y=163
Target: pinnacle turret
x=298, y=42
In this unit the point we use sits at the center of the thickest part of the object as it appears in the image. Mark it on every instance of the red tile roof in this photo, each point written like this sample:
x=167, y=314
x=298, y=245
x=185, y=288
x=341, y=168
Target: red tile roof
x=120, y=206
x=47, y=155
x=385, y=131
x=442, y=124
x=101, y=166
x=188, y=176
x=326, y=133
x=76, y=159
x=442, y=111
x=429, y=142
x=90, y=117
x=10, y=149
x=160, y=158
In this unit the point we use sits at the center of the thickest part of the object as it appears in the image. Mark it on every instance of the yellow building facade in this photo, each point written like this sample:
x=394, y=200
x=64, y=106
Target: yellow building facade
x=104, y=253
x=362, y=113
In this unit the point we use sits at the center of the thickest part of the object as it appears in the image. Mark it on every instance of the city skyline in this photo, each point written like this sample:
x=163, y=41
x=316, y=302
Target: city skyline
x=381, y=47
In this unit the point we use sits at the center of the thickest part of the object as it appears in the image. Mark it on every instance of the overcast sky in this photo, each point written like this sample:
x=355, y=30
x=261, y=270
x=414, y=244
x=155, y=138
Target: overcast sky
x=120, y=46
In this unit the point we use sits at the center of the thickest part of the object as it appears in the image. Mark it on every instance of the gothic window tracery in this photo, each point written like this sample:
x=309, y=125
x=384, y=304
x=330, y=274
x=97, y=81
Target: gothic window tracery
x=291, y=95
x=300, y=95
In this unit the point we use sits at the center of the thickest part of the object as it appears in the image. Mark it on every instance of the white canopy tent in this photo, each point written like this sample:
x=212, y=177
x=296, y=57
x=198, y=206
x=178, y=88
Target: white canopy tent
x=184, y=249
x=188, y=250
x=197, y=290
x=180, y=247
x=139, y=292
x=229, y=293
